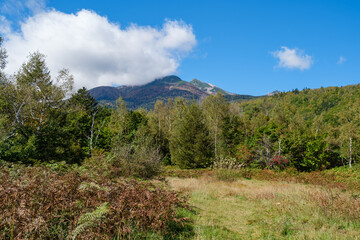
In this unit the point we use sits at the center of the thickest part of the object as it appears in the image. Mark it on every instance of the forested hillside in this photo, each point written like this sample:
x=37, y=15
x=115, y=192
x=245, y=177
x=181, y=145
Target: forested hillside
x=43, y=120
x=312, y=129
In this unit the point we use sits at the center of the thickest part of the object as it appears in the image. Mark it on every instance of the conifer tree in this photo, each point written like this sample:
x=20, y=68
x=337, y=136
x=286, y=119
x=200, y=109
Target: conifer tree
x=190, y=144
x=32, y=103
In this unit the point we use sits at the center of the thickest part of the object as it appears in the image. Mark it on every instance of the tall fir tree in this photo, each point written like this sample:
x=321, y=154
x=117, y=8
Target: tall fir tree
x=190, y=144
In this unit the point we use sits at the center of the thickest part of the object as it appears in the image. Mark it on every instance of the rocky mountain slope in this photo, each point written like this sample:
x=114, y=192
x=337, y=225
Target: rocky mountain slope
x=208, y=87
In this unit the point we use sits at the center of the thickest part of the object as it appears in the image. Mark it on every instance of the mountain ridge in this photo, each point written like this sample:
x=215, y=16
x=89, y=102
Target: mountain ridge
x=164, y=88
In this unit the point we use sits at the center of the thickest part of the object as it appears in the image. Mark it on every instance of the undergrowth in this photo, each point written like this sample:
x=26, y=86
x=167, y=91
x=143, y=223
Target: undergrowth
x=93, y=201
x=41, y=203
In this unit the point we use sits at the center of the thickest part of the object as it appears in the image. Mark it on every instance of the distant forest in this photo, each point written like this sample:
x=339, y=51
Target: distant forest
x=43, y=121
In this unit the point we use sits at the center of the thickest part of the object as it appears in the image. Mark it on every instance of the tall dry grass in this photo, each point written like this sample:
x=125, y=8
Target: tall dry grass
x=253, y=209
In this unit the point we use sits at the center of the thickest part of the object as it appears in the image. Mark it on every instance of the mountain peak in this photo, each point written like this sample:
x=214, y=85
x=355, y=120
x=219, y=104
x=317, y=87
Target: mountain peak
x=146, y=95
x=169, y=79
x=208, y=87
x=273, y=93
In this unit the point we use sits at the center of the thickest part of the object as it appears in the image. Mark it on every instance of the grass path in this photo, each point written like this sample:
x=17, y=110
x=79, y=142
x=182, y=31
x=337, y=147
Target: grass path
x=250, y=209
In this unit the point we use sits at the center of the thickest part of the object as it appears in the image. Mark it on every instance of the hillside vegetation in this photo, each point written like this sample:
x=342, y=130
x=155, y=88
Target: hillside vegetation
x=73, y=168
x=42, y=120
x=312, y=129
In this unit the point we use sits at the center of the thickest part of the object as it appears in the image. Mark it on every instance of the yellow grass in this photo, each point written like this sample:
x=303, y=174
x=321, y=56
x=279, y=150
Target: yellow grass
x=250, y=209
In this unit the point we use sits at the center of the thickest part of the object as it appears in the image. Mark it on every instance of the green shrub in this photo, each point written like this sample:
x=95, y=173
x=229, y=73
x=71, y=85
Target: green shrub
x=139, y=161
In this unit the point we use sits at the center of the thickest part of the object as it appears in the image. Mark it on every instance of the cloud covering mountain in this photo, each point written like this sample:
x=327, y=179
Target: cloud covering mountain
x=97, y=51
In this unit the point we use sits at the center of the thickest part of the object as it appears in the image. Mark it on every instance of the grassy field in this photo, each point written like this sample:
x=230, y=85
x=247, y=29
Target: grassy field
x=262, y=209
x=60, y=201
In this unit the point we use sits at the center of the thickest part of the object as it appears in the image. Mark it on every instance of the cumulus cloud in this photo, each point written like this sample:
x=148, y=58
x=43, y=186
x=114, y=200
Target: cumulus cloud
x=292, y=58
x=341, y=60
x=98, y=52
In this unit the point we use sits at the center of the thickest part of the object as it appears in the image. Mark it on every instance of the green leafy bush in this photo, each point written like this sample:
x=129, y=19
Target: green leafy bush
x=139, y=161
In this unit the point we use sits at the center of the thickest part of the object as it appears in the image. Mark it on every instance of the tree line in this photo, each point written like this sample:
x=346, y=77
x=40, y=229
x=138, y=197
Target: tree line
x=44, y=120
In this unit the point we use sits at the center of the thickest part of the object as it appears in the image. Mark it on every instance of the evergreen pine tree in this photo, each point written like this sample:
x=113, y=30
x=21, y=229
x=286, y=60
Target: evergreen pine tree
x=190, y=144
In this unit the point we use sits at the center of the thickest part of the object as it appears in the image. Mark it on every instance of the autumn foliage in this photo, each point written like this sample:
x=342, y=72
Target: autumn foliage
x=39, y=203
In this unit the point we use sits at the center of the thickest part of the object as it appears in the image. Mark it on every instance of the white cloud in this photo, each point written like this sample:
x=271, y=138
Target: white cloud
x=292, y=58
x=98, y=52
x=341, y=60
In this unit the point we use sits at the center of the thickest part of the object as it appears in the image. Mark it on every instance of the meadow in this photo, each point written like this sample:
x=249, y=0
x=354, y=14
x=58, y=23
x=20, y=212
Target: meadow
x=60, y=201
x=229, y=206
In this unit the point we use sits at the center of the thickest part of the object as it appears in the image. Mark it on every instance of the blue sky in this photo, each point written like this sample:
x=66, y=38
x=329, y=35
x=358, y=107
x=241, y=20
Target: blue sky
x=247, y=47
